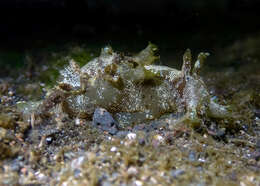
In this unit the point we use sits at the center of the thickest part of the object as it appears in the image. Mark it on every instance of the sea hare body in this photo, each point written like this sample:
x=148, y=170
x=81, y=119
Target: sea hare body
x=133, y=84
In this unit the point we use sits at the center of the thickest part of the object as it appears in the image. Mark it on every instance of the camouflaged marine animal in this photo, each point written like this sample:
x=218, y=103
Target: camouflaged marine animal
x=134, y=84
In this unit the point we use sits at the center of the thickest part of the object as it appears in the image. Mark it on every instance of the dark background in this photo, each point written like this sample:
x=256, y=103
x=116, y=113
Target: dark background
x=25, y=22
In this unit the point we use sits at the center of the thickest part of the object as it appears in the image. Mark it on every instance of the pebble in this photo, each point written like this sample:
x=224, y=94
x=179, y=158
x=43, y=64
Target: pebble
x=158, y=140
x=48, y=140
x=132, y=171
x=192, y=156
x=77, y=173
x=10, y=93
x=103, y=120
x=77, y=121
x=138, y=183
x=106, y=183
x=41, y=177
x=131, y=136
x=141, y=141
x=203, y=160
x=122, y=134
x=76, y=163
x=113, y=149
x=176, y=173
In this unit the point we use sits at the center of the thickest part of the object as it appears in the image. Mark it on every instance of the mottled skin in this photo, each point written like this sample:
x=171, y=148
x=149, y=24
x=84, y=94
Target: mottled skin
x=132, y=84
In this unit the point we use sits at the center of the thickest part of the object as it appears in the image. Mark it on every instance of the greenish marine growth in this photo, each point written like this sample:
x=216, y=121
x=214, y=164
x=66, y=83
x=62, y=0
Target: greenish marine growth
x=59, y=60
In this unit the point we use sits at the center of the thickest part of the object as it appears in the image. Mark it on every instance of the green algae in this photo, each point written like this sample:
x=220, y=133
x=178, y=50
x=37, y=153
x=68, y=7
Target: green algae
x=81, y=55
x=55, y=61
x=12, y=59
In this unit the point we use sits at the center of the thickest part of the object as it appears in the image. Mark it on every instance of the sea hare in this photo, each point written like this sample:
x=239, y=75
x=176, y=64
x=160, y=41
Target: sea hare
x=134, y=85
